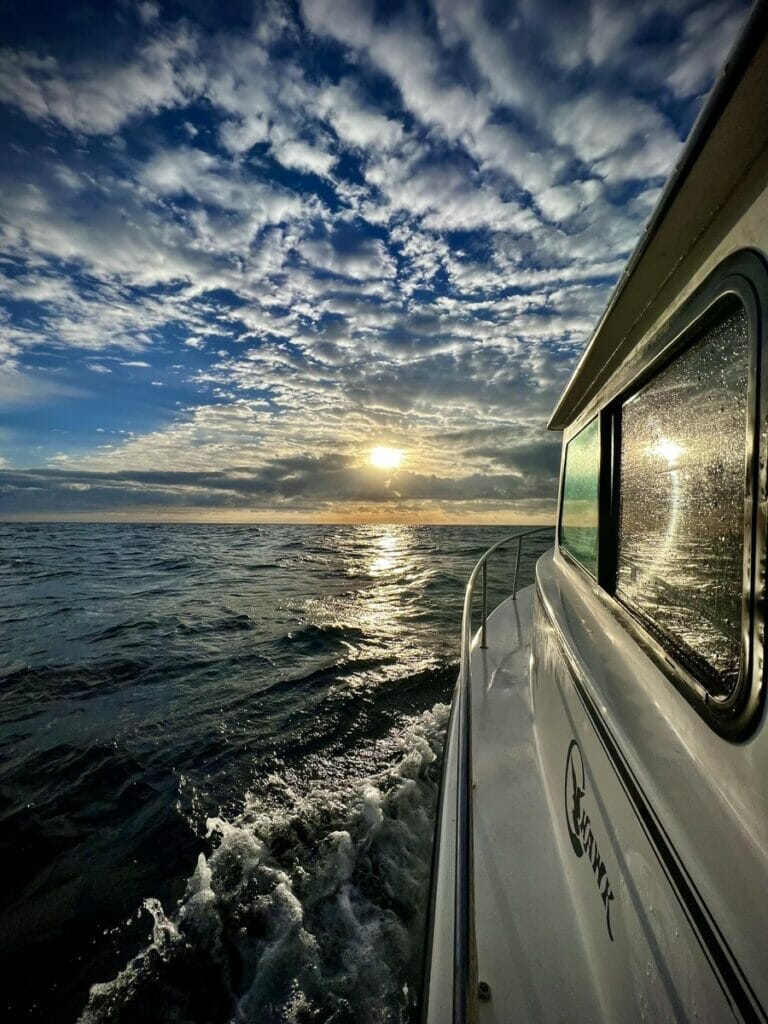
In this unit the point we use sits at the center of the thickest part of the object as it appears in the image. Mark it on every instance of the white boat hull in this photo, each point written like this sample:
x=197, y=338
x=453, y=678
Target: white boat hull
x=577, y=916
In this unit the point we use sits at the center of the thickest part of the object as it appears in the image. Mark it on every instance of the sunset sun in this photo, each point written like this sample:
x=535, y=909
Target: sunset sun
x=386, y=458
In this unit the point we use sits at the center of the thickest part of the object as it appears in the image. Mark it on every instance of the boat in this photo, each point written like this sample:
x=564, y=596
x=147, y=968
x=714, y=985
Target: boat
x=601, y=847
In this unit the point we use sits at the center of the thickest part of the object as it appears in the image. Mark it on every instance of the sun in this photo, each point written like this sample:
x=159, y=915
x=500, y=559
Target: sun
x=386, y=458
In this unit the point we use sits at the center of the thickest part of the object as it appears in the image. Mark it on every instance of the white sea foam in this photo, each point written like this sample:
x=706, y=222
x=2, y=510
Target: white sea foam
x=310, y=906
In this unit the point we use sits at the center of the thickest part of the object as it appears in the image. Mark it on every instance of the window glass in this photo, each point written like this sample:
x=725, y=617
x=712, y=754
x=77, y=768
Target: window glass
x=681, y=518
x=578, y=518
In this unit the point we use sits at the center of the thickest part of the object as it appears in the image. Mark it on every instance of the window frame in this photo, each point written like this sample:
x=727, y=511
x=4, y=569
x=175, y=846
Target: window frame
x=744, y=276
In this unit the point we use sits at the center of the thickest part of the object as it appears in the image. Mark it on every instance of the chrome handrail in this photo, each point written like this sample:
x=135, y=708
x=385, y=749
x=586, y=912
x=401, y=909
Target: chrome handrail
x=463, y=937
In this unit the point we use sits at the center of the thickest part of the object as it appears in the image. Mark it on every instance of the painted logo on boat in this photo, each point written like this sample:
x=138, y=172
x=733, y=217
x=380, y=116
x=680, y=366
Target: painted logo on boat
x=580, y=827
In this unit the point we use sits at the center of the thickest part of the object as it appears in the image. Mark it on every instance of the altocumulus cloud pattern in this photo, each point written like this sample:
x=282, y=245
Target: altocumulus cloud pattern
x=245, y=243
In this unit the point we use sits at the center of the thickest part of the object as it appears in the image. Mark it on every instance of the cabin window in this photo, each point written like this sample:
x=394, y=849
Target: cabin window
x=680, y=564
x=578, y=517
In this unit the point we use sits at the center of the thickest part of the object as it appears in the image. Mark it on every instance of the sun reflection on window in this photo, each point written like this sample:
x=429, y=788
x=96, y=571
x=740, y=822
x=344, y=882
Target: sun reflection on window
x=681, y=516
x=666, y=449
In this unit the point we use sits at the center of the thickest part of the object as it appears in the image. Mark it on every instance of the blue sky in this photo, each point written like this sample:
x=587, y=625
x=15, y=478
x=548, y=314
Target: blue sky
x=243, y=244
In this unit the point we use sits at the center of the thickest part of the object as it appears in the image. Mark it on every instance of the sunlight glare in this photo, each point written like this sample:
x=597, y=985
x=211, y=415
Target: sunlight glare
x=386, y=458
x=668, y=450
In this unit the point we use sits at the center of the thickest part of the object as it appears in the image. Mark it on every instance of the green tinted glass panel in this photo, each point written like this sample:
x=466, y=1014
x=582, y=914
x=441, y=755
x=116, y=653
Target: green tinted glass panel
x=578, y=518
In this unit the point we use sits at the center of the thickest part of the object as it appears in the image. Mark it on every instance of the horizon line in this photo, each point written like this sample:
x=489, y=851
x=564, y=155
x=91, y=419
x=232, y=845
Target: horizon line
x=120, y=519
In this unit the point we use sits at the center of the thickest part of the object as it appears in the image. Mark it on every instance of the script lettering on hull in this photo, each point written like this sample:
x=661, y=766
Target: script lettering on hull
x=580, y=831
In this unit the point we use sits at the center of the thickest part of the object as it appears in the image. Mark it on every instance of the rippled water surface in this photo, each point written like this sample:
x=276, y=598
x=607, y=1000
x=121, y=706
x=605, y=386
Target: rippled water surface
x=219, y=760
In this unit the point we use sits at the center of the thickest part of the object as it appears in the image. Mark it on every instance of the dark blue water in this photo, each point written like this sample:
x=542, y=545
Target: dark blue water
x=219, y=761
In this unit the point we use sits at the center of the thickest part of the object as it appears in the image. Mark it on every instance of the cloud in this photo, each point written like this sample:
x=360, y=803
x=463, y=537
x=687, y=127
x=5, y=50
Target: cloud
x=401, y=49
x=239, y=134
x=97, y=98
x=354, y=121
x=214, y=183
x=363, y=223
x=297, y=481
x=148, y=11
x=618, y=137
x=301, y=156
x=350, y=255
x=22, y=388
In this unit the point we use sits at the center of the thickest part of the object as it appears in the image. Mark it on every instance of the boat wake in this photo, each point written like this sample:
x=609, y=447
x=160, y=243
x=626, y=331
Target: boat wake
x=310, y=907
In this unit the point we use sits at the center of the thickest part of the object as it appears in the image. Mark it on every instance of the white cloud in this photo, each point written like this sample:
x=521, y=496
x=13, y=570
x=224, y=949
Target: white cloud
x=400, y=48
x=354, y=122
x=561, y=202
x=440, y=278
x=238, y=135
x=24, y=388
x=148, y=11
x=300, y=156
x=364, y=259
x=447, y=195
x=99, y=98
x=709, y=31
x=501, y=53
x=618, y=136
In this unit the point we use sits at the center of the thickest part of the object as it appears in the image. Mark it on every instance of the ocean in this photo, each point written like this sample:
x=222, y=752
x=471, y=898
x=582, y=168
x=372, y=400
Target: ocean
x=220, y=754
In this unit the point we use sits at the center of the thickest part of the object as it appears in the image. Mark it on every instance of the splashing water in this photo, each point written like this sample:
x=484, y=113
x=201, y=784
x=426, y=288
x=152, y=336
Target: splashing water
x=310, y=908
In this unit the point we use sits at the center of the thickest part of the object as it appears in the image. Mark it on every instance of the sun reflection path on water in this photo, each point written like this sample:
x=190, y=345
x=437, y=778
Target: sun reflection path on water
x=385, y=602
x=387, y=550
x=383, y=605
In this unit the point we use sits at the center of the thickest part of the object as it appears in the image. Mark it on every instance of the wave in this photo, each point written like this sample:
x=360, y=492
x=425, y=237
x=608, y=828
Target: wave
x=175, y=671
x=311, y=906
x=28, y=688
x=312, y=637
x=171, y=564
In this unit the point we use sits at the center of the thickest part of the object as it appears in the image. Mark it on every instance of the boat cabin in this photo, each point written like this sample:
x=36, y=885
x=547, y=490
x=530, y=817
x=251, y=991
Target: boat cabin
x=602, y=840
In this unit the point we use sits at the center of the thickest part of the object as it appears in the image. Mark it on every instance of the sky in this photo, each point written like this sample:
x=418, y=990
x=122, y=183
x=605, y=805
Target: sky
x=242, y=245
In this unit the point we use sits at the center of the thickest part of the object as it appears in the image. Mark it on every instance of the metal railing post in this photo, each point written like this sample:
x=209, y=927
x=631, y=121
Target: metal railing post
x=484, y=634
x=517, y=566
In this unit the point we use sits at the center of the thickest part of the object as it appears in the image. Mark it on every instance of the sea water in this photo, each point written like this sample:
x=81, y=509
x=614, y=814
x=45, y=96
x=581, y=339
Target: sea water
x=220, y=753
